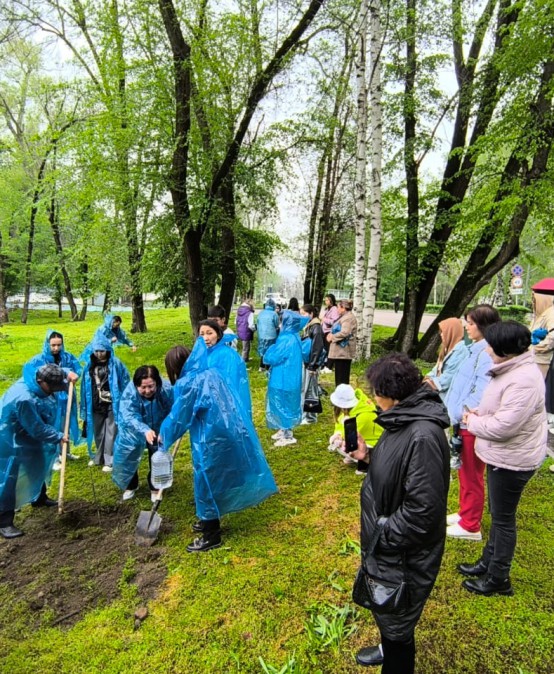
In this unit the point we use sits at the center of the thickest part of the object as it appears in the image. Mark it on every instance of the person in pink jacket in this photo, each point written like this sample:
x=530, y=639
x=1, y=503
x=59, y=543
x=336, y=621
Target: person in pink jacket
x=510, y=427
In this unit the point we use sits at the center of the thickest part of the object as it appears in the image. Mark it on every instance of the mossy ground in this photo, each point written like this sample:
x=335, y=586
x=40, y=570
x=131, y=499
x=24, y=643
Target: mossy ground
x=272, y=598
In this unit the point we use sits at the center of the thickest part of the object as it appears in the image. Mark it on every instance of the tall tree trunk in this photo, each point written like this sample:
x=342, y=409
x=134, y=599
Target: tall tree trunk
x=360, y=197
x=481, y=267
x=128, y=196
x=53, y=218
x=228, y=253
x=371, y=281
x=412, y=180
x=85, y=289
x=463, y=155
x=4, y=317
x=312, y=228
x=31, y=240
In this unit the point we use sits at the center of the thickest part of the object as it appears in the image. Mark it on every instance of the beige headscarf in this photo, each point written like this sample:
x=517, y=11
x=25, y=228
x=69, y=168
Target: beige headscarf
x=452, y=333
x=542, y=303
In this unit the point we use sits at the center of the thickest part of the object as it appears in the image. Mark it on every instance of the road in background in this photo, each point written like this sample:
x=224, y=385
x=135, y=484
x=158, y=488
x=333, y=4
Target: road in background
x=390, y=319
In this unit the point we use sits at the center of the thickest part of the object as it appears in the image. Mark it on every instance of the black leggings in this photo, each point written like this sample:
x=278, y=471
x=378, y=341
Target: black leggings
x=342, y=371
x=398, y=656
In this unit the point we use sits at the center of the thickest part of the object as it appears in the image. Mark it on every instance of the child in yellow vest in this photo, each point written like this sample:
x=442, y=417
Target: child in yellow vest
x=348, y=402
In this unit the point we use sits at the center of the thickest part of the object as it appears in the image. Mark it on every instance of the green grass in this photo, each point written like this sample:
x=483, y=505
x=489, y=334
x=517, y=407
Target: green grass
x=276, y=596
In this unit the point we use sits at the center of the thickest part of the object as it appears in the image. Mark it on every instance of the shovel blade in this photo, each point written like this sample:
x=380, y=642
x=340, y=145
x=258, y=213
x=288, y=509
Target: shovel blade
x=148, y=527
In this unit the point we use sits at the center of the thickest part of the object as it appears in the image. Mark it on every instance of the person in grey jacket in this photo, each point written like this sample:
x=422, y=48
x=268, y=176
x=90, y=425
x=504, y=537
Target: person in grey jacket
x=510, y=427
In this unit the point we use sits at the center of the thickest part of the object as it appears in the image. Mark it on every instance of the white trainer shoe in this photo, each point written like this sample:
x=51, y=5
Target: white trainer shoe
x=128, y=494
x=90, y=463
x=456, y=531
x=107, y=469
x=283, y=442
x=278, y=435
x=454, y=518
x=57, y=465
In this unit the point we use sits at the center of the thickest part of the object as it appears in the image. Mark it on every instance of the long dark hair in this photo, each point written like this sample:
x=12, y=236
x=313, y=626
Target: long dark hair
x=175, y=358
x=147, y=372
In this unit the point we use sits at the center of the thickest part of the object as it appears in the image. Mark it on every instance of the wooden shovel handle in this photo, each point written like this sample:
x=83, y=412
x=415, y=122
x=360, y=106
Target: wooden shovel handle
x=65, y=445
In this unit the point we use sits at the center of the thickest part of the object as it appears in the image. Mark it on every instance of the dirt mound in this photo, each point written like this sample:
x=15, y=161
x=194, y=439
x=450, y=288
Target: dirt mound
x=65, y=566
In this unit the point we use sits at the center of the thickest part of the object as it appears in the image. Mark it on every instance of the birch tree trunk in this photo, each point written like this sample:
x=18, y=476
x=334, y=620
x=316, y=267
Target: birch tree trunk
x=361, y=161
x=370, y=294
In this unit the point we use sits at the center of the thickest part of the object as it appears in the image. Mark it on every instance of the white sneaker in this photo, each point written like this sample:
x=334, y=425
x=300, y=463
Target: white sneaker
x=107, y=469
x=305, y=422
x=73, y=457
x=90, y=463
x=278, y=435
x=348, y=461
x=283, y=442
x=456, y=531
x=361, y=472
x=326, y=370
x=454, y=518
x=57, y=465
x=128, y=494
x=551, y=468
x=331, y=448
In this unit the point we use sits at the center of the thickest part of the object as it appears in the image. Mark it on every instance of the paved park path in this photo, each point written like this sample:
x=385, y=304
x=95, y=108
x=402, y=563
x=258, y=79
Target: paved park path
x=391, y=320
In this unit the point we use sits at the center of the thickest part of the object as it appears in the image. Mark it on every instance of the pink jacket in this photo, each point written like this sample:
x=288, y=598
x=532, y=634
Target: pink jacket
x=510, y=425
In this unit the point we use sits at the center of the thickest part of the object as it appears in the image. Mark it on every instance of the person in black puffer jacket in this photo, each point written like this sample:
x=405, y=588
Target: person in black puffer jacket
x=403, y=502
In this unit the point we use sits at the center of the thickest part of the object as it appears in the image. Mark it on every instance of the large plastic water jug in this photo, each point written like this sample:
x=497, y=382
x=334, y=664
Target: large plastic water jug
x=162, y=470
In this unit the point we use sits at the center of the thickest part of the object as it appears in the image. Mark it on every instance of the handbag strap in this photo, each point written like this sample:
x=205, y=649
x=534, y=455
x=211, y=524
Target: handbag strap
x=374, y=539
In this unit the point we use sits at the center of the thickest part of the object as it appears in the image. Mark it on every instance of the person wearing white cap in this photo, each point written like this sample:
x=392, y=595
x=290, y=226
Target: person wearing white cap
x=350, y=403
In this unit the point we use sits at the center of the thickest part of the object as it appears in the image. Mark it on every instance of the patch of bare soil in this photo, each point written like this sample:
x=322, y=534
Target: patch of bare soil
x=66, y=565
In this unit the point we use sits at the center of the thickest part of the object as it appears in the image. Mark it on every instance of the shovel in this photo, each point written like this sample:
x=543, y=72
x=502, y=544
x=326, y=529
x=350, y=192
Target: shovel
x=64, y=447
x=149, y=522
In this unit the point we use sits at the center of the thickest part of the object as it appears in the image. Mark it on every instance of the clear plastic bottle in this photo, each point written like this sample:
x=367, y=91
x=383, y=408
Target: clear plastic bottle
x=162, y=470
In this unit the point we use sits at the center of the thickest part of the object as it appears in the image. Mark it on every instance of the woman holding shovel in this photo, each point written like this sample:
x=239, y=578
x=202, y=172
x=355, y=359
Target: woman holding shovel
x=145, y=403
x=230, y=470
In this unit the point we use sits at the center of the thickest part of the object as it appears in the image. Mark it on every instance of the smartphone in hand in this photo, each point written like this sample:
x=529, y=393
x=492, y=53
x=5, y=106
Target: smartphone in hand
x=350, y=435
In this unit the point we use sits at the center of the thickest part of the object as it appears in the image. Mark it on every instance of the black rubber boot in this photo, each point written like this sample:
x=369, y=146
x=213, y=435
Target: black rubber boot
x=479, y=568
x=489, y=585
x=211, y=537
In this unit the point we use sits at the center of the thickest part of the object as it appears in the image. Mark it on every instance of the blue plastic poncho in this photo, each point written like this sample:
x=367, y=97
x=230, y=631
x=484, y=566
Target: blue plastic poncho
x=69, y=363
x=118, y=378
x=230, y=470
x=233, y=370
x=109, y=332
x=137, y=416
x=268, y=327
x=284, y=390
x=28, y=441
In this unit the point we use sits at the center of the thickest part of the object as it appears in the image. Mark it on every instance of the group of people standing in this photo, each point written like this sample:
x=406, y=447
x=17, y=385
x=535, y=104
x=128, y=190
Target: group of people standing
x=486, y=387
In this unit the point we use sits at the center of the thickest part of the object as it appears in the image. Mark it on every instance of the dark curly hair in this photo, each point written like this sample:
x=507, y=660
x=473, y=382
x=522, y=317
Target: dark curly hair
x=394, y=376
x=508, y=338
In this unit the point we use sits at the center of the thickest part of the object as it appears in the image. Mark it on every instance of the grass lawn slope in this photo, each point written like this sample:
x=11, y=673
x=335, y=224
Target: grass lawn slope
x=79, y=596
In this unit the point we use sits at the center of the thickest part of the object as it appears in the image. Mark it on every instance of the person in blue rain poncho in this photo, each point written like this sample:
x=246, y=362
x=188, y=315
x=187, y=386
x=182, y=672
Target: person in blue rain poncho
x=53, y=351
x=227, y=362
x=268, y=329
x=28, y=442
x=229, y=467
x=145, y=403
x=112, y=330
x=104, y=380
x=284, y=389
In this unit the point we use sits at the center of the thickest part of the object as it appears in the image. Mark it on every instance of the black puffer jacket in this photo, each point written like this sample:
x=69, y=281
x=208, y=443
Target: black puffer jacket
x=407, y=483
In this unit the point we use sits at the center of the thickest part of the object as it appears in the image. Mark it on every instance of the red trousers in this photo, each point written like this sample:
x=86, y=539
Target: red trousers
x=472, y=485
